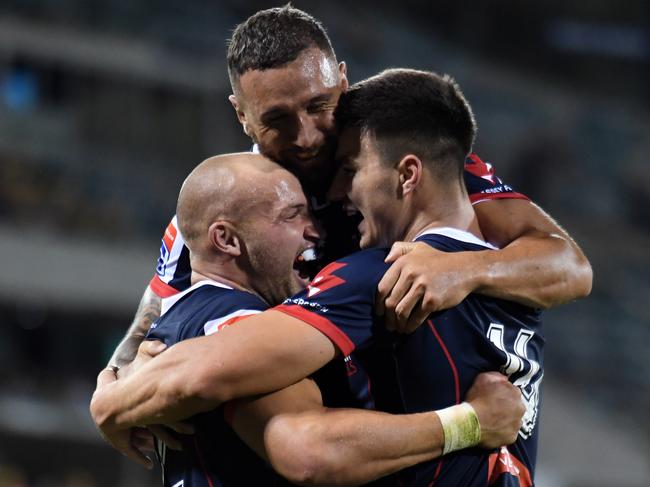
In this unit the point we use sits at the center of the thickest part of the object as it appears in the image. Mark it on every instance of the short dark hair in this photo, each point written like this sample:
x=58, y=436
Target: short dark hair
x=412, y=112
x=272, y=38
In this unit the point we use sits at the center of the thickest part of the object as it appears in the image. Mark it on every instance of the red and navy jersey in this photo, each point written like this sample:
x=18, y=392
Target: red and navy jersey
x=341, y=235
x=173, y=269
x=435, y=366
x=214, y=455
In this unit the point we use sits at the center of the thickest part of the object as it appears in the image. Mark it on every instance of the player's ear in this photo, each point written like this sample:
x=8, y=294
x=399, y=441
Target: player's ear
x=410, y=173
x=239, y=110
x=224, y=239
x=343, y=76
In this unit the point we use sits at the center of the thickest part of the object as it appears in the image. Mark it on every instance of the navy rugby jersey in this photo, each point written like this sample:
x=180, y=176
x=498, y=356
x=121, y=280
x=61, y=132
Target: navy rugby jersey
x=435, y=366
x=214, y=455
x=341, y=234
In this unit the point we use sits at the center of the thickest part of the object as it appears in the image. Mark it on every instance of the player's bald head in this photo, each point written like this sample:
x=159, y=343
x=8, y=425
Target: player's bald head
x=226, y=187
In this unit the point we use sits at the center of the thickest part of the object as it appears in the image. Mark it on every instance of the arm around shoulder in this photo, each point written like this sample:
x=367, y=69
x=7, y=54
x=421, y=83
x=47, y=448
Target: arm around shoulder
x=539, y=264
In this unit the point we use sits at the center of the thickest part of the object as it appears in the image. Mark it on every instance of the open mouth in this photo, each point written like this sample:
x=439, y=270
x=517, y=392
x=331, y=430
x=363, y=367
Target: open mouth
x=304, y=265
x=353, y=213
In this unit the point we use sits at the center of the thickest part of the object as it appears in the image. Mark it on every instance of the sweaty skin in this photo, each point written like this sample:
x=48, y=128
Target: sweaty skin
x=539, y=265
x=303, y=440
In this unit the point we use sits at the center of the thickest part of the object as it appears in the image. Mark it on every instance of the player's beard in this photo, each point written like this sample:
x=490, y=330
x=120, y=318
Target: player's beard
x=273, y=278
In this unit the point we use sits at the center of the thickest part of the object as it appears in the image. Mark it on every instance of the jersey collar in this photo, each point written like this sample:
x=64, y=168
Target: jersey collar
x=456, y=234
x=167, y=303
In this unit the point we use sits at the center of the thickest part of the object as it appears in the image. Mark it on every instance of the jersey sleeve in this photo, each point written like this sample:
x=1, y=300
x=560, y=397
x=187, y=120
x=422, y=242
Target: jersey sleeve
x=339, y=302
x=482, y=183
x=173, y=269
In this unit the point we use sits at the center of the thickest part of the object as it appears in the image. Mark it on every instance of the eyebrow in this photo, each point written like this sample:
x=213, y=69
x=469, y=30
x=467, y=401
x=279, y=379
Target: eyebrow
x=273, y=111
x=281, y=110
x=320, y=98
x=297, y=207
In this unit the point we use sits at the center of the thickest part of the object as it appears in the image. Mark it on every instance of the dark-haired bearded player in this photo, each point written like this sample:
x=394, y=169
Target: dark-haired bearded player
x=286, y=83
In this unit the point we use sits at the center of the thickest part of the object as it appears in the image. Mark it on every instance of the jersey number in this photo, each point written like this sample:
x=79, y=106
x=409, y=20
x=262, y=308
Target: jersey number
x=524, y=372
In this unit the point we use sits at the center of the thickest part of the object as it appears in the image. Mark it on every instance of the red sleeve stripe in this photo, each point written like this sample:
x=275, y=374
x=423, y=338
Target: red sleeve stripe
x=161, y=288
x=322, y=324
x=478, y=197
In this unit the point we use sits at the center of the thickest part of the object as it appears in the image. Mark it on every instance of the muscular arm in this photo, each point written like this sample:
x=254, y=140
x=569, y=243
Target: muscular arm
x=310, y=444
x=148, y=312
x=263, y=353
x=538, y=265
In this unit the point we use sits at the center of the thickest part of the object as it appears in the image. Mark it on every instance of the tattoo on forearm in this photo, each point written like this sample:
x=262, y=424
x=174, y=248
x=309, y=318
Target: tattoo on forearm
x=148, y=312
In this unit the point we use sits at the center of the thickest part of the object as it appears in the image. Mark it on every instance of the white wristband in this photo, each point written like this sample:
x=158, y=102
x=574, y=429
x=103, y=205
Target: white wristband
x=461, y=427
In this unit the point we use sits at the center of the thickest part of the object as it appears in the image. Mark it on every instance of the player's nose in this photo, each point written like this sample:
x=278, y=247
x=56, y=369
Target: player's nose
x=310, y=136
x=311, y=231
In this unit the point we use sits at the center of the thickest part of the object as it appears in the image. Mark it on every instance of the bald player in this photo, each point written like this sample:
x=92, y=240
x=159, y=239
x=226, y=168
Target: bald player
x=286, y=82
x=236, y=212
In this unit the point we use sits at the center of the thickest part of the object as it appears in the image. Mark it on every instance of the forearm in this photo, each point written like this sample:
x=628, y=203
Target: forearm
x=350, y=447
x=261, y=354
x=541, y=271
x=539, y=264
x=148, y=311
x=161, y=391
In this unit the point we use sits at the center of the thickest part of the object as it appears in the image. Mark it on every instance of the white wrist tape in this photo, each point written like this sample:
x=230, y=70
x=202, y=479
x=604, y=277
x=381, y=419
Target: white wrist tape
x=461, y=427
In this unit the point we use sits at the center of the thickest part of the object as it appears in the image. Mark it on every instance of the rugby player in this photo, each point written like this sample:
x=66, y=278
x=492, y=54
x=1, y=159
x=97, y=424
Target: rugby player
x=286, y=82
x=405, y=135
x=245, y=220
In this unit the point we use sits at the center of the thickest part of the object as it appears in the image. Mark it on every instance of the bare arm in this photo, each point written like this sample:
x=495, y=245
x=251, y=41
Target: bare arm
x=313, y=445
x=148, y=312
x=263, y=353
x=539, y=265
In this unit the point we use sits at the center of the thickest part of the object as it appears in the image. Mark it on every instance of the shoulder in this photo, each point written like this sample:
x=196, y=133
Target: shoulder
x=207, y=309
x=363, y=267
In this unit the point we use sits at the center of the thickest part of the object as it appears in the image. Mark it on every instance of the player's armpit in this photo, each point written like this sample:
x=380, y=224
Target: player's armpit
x=539, y=264
x=262, y=353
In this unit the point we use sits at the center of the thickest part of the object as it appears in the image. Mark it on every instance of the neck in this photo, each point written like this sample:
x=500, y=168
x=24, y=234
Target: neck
x=236, y=278
x=447, y=210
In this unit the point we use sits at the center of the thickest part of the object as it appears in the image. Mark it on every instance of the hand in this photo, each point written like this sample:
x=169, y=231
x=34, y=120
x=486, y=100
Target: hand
x=421, y=281
x=147, y=350
x=132, y=442
x=165, y=433
x=499, y=407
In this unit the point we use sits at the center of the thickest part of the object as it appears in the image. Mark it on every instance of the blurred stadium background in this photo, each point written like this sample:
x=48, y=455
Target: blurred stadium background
x=105, y=106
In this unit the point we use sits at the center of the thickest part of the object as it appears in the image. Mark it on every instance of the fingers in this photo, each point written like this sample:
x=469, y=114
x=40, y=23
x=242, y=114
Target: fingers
x=151, y=348
x=106, y=376
x=130, y=451
x=418, y=315
x=405, y=311
x=490, y=377
x=182, y=427
x=165, y=435
x=142, y=439
x=385, y=288
x=399, y=249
